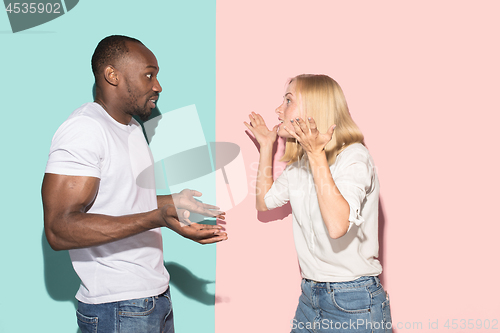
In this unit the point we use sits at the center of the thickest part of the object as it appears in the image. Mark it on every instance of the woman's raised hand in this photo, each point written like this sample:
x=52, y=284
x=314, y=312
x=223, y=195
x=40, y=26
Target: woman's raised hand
x=311, y=140
x=258, y=127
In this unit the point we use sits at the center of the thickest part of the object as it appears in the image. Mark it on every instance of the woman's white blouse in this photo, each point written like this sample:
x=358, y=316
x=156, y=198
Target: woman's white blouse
x=322, y=258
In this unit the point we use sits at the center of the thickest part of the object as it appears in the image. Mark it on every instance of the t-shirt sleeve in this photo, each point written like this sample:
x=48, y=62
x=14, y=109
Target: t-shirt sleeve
x=77, y=148
x=354, y=179
x=278, y=195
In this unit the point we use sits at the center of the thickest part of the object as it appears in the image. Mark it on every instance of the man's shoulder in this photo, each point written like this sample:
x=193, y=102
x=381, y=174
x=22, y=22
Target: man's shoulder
x=90, y=117
x=87, y=111
x=78, y=146
x=86, y=121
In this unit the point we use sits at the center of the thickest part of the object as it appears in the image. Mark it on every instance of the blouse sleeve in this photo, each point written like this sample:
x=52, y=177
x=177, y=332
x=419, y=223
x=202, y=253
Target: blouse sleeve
x=278, y=195
x=355, y=179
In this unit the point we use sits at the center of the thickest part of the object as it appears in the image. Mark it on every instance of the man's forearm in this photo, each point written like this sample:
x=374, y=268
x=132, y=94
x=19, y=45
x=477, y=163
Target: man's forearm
x=165, y=200
x=78, y=229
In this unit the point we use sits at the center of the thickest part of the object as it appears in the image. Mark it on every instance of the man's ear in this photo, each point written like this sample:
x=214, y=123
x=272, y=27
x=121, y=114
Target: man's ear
x=111, y=75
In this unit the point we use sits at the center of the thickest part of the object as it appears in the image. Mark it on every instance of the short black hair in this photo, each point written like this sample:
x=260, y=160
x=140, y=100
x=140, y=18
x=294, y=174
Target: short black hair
x=109, y=51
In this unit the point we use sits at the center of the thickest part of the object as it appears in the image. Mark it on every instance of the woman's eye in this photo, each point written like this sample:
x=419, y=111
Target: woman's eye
x=288, y=101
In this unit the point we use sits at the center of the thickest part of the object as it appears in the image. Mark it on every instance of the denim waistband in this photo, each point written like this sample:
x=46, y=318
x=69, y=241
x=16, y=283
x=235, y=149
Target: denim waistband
x=359, y=282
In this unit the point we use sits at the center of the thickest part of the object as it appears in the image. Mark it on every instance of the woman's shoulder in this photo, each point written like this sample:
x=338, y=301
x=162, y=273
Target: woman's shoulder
x=354, y=149
x=354, y=152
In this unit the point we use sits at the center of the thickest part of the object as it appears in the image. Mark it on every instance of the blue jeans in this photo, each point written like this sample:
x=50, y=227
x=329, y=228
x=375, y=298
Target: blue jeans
x=142, y=315
x=358, y=306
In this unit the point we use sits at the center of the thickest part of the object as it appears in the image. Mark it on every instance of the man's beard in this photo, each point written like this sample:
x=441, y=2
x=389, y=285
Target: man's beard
x=134, y=109
x=143, y=114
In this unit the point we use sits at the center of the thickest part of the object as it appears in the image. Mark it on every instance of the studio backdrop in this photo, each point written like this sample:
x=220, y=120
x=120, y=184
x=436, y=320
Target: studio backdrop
x=421, y=81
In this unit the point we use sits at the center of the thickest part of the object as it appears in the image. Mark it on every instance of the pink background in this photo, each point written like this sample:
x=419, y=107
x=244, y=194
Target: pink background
x=422, y=82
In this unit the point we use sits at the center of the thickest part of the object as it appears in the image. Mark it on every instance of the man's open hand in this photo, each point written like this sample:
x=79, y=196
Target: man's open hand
x=185, y=200
x=178, y=221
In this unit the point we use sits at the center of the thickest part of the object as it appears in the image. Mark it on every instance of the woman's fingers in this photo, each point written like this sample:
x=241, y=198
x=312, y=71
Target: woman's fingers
x=299, y=126
x=295, y=125
x=252, y=123
x=256, y=119
x=250, y=127
x=302, y=124
x=312, y=124
x=259, y=129
x=252, y=119
x=307, y=134
x=331, y=129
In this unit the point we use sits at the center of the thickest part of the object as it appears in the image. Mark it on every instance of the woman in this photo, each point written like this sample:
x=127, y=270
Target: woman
x=333, y=189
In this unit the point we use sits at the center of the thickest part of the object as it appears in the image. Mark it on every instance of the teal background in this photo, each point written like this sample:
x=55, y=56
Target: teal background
x=45, y=75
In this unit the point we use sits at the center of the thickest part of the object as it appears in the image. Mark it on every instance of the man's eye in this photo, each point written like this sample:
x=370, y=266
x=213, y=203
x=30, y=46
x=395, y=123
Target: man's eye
x=149, y=76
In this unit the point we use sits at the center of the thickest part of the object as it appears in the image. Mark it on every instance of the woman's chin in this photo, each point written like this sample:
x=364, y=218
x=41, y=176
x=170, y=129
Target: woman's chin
x=282, y=133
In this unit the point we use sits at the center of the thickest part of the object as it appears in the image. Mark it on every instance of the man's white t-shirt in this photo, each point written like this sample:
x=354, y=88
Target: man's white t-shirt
x=91, y=143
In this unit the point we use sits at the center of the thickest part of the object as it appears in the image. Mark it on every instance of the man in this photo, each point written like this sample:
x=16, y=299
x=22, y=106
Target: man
x=95, y=207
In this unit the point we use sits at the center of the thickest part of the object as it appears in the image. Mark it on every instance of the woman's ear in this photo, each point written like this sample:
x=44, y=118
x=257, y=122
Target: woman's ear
x=111, y=75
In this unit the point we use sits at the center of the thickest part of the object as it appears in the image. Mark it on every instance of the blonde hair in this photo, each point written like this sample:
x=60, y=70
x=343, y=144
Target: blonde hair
x=321, y=98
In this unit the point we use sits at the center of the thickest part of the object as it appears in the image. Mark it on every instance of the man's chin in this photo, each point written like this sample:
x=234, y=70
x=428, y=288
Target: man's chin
x=144, y=115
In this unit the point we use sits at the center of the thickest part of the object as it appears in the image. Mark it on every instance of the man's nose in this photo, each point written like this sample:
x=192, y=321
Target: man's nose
x=157, y=86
